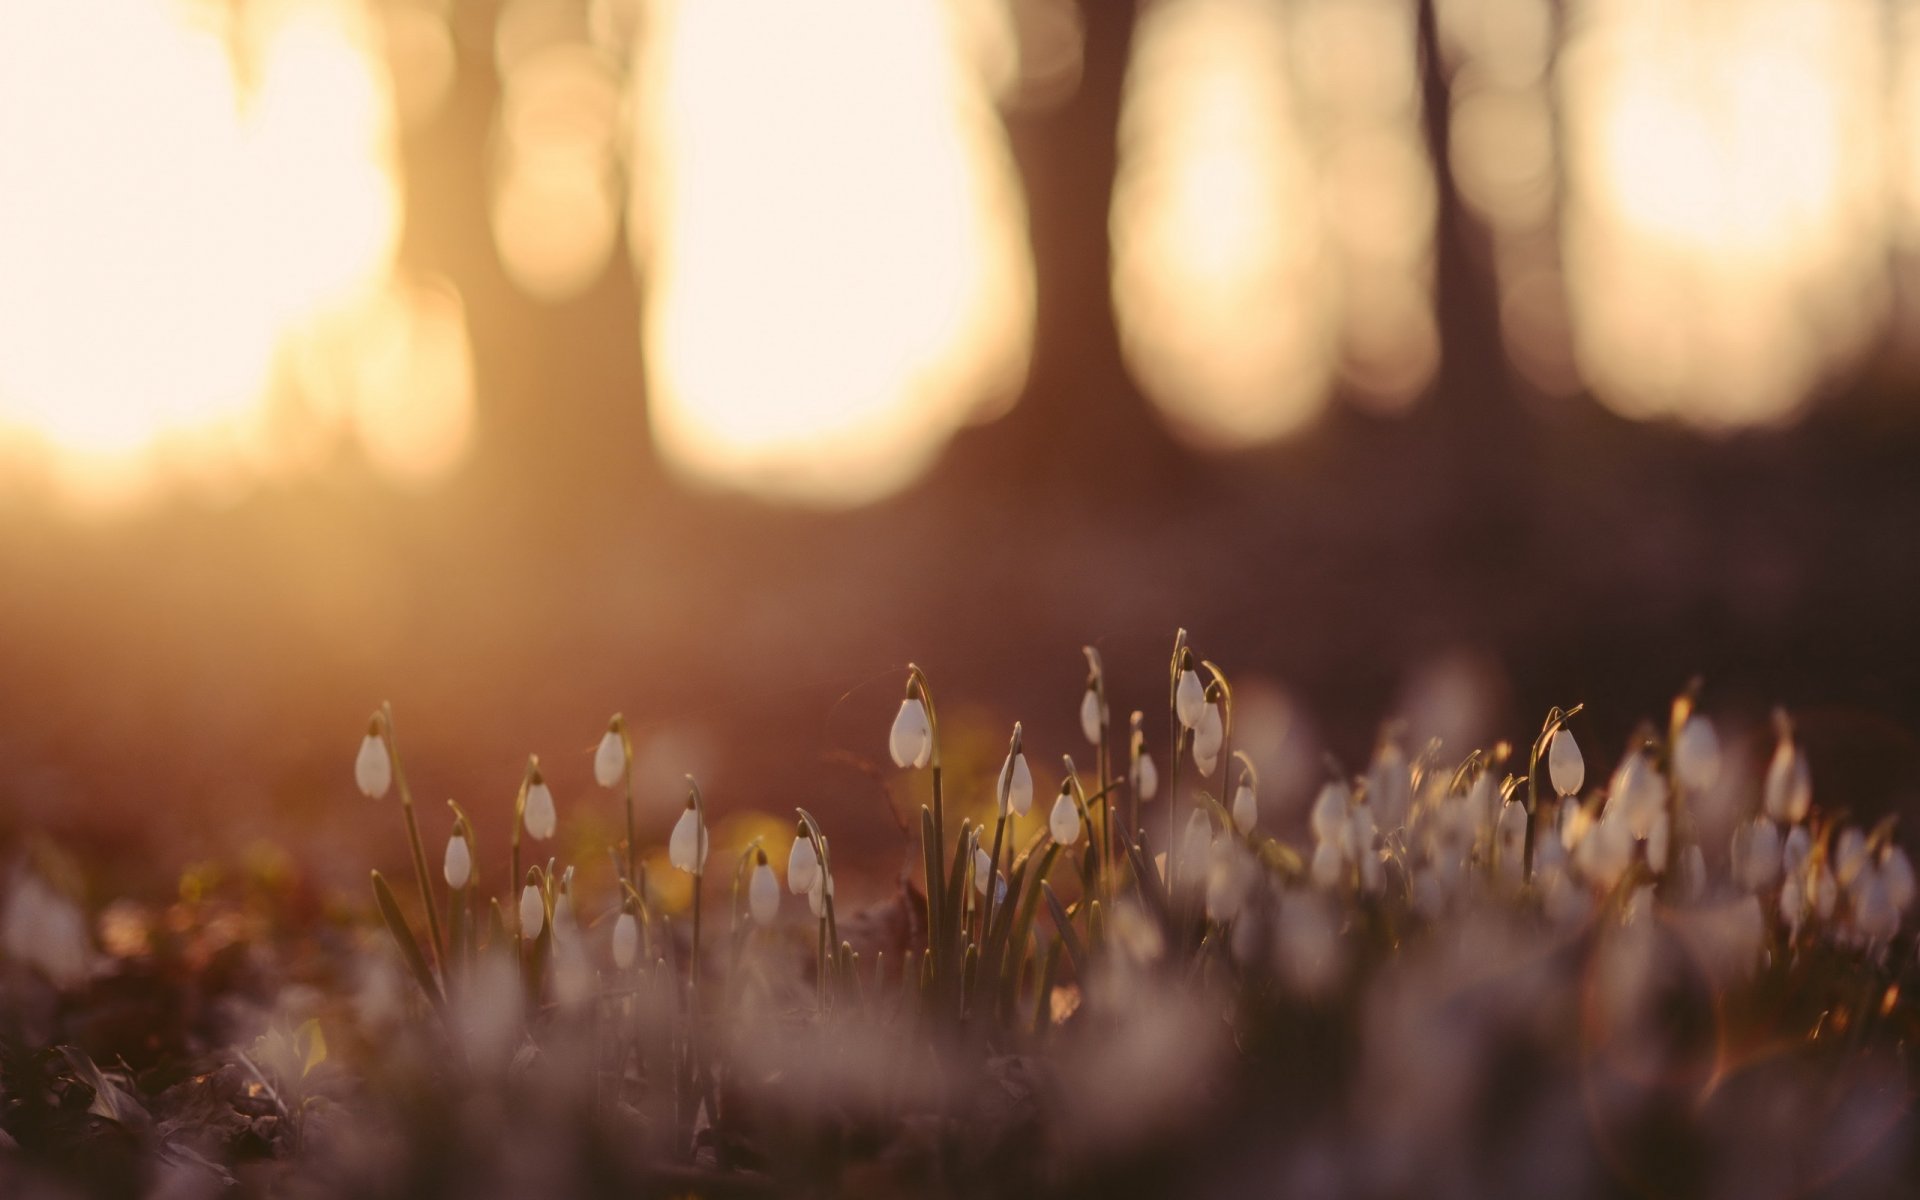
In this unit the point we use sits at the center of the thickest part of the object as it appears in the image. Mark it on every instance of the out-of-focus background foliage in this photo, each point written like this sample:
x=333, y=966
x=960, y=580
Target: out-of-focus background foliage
x=525, y=361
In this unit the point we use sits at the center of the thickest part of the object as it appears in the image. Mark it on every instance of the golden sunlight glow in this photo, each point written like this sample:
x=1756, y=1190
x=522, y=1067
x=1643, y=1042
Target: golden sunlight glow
x=187, y=194
x=1727, y=220
x=1272, y=218
x=830, y=241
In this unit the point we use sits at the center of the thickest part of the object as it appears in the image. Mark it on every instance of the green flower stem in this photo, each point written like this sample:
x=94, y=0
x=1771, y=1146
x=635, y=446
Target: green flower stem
x=413, y=838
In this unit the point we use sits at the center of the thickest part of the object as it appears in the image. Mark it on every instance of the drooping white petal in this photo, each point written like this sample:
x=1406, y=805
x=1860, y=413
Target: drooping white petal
x=1246, y=810
x=458, y=867
x=1659, y=839
x=1208, y=736
x=1789, y=785
x=610, y=759
x=763, y=895
x=1565, y=765
x=1198, y=838
x=1874, y=913
x=1510, y=838
x=626, y=940
x=533, y=912
x=1092, y=718
x=687, y=845
x=540, y=819
x=982, y=870
x=1330, y=811
x=911, y=739
x=1064, y=821
x=803, y=866
x=372, y=768
x=1849, y=855
x=1759, y=869
x=1016, y=785
x=1897, y=870
x=1188, y=697
x=1329, y=864
x=1146, y=777
x=818, y=893
x=1696, y=754
x=1637, y=794
x=1794, y=851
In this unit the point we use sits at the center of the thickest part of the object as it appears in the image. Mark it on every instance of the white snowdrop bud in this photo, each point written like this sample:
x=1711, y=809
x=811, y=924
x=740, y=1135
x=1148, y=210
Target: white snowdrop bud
x=1874, y=914
x=1759, y=869
x=1208, y=736
x=1794, y=851
x=1510, y=836
x=1188, y=698
x=803, y=864
x=1329, y=864
x=982, y=870
x=1604, y=855
x=1198, y=840
x=1696, y=754
x=1896, y=869
x=372, y=768
x=1658, y=840
x=1064, y=822
x=458, y=867
x=539, y=817
x=1246, y=810
x=1849, y=855
x=1146, y=777
x=1637, y=794
x=626, y=940
x=1789, y=786
x=763, y=892
x=1016, y=785
x=911, y=740
x=1093, y=715
x=687, y=845
x=1330, y=812
x=1565, y=765
x=533, y=912
x=610, y=759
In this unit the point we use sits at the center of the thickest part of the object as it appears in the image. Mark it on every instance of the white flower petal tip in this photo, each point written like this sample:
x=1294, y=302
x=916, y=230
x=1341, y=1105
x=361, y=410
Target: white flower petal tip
x=687, y=846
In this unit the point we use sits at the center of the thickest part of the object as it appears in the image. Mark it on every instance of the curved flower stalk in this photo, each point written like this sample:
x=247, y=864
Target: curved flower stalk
x=376, y=767
x=520, y=796
x=1185, y=700
x=613, y=764
x=687, y=850
x=1570, y=757
x=1246, y=804
x=822, y=886
x=1143, y=779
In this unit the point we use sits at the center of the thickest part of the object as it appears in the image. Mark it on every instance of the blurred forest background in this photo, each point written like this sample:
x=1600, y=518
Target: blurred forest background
x=522, y=362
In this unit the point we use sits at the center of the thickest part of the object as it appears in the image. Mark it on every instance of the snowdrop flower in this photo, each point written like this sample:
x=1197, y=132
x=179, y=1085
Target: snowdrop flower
x=1188, y=695
x=1064, y=822
x=1696, y=754
x=538, y=816
x=1093, y=714
x=1896, y=869
x=626, y=940
x=1604, y=855
x=373, y=767
x=803, y=863
x=1330, y=807
x=818, y=893
x=763, y=891
x=1329, y=863
x=533, y=912
x=1576, y=821
x=1789, y=786
x=1198, y=841
x=1015, y=789
x=1230, y=876
x=982, y=869
x=687, y=845
x=1849, y=855
x=565, y=928
x=1794, y=852
x=1638, y=795
x=1874, y=915
x=610, y=759
x=1757, y=854
x=1565, y=766
x=45, y=930
x=458, y=867
x=1208, y=736
x=1389, y=785
x=1146, y=777
x=1246, y=809
x=911, y=740
x=1658, y=841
